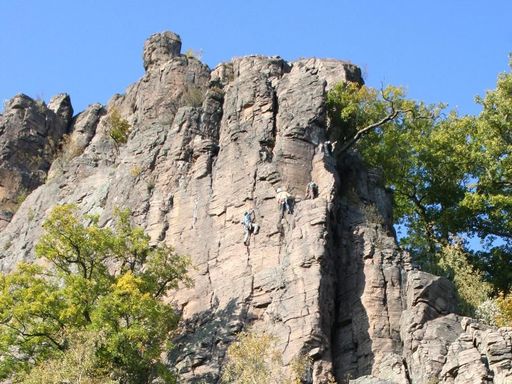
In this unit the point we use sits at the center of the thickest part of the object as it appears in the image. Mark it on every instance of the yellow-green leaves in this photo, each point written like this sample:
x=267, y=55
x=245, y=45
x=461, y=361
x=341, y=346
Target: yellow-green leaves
x=255, y=358
x=118, y=128
x=470, y=285
x=450, y=175
x=105, y=281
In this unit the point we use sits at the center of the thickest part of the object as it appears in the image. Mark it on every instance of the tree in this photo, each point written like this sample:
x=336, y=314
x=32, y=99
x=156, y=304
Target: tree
x=489, y=200
x=408, y=141
x=100, y=280
x=450, y=174
x=356, y=111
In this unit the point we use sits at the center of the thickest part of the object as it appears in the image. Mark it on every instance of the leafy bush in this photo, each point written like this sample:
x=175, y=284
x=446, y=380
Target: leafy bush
x=470, y=285
x=105, y=282
x=254, y=358
x=118, y=128
x=504, y=302
x=78, y=364
x=488, y=312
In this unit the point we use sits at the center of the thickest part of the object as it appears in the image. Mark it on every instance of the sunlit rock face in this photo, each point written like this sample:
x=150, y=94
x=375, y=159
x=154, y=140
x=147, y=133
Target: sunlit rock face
x=30, y=133
x=327, y=280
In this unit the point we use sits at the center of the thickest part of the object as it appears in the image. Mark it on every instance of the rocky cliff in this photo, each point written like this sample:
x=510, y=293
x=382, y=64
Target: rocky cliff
x=206, y=145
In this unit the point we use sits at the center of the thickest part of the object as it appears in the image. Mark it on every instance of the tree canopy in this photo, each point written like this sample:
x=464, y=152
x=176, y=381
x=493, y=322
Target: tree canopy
x=451, y=175
x=103, y=283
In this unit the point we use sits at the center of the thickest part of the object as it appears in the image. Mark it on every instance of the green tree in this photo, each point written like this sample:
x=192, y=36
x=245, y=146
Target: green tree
x=489, y=200
x=414, y=148
x=101, y=280
x=451, y=175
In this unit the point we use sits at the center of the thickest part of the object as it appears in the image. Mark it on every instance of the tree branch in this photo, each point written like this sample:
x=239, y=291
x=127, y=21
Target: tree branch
x=386, y=119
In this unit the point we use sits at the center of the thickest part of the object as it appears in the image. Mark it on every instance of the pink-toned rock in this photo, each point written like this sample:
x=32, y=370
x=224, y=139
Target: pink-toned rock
x=328, y=280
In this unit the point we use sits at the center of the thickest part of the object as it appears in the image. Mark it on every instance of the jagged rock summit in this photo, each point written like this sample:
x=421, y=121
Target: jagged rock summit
x=327, y=280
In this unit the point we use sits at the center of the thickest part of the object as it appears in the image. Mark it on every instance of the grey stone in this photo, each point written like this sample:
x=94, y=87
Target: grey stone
x=161, y=47
x=61, y=106
x=30, y=134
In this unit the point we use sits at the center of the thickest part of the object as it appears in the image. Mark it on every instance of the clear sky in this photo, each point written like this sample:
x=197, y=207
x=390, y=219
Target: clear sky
x=440, y=50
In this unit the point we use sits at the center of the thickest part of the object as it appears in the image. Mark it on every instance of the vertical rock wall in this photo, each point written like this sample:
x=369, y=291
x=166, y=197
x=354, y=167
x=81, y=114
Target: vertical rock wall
x=328, y=280
x=30, y=133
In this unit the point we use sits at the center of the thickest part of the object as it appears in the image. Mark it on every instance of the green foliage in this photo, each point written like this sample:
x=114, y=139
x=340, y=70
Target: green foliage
x=118, y=128
x=254, y=358
x=105, y=282
x=504, y=318
x=450, y=175
x=356, y=111
x=470, y=286
x=77, y=364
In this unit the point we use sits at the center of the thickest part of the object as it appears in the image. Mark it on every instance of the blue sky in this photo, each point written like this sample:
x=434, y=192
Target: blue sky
x=448, y=51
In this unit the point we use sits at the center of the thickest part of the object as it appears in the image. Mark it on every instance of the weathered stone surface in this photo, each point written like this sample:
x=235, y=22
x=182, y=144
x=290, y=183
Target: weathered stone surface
x=327, y=280
x=30, y=133
x=369, y=380
x=160, y=48
x=61, y=106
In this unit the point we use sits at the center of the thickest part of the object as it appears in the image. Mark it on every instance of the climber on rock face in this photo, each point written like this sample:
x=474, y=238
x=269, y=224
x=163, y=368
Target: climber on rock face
x=311, y=190
x=250, y=227
x=284, y=200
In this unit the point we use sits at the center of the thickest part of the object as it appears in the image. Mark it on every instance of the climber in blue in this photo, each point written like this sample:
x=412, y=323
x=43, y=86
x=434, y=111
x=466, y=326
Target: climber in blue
x=250, y=227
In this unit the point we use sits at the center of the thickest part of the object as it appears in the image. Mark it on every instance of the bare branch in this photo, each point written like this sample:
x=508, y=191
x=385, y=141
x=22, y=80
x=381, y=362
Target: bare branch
x=393, y=115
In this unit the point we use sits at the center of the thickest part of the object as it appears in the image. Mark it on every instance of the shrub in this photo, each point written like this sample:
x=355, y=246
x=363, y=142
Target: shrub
x=193, y=97
x=78, y=364
x=135, y=171
x=504, y=302
x=488, y=312
x=194, y=54
x=469, y=282
x=254, y=358
x=118, y=128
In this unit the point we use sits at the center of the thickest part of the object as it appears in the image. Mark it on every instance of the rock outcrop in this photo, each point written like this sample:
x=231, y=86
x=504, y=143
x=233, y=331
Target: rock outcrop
x=30, y=133
x=327, y=280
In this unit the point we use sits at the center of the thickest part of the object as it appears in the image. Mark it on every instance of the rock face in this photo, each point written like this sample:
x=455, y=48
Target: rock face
x=327, y=280
x=30, y=133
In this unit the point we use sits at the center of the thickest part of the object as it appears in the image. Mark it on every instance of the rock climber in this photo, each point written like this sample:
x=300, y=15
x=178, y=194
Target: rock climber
x=311, y=190
x=329, y=147
x=284, y=201
x=250, y=227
